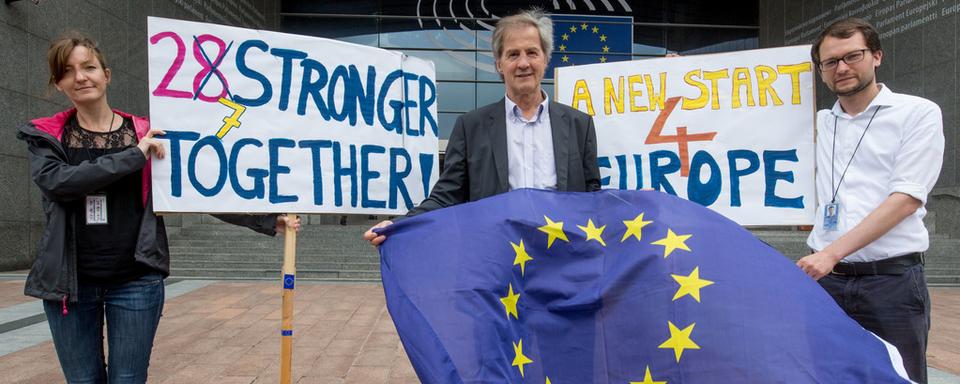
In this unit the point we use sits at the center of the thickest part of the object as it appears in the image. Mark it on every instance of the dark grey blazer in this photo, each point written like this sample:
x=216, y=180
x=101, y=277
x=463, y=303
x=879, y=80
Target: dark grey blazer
x=476, y=159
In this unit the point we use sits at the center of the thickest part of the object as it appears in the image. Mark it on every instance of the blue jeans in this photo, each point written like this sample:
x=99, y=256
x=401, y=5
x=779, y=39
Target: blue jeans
x=894, y=307
x=132, y=312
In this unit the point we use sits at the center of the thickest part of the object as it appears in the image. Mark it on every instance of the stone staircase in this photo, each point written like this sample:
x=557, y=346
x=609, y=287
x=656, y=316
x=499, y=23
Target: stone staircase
x=331, y=252
x=224, y=251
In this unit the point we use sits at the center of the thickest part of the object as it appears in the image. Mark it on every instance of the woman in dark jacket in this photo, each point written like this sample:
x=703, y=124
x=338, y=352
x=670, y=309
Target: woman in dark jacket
x=103, y=254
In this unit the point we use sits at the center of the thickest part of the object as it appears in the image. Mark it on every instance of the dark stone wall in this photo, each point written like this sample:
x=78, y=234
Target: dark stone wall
x=919, y=39
x=120, y=28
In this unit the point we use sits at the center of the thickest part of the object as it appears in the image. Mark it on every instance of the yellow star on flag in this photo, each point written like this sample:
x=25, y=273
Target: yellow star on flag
x=519, y=360
x=648, y=379
x=603, y=37
x=564, y=59
x=672, y=242
x=554, y=230
x=634, y=228
x=522, y=257
x=595, y=29
x=690, y=285
x=563, y=48
x=565, y=36
x=593, y=233
x=573, y=29
x=679, y=340
x=510, y=302
x=603, y=59
x=606, y=49
x=584, y=26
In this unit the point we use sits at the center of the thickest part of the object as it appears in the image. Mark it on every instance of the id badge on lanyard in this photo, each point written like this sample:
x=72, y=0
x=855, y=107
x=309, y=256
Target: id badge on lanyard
x=96, y=209
x=831, y=216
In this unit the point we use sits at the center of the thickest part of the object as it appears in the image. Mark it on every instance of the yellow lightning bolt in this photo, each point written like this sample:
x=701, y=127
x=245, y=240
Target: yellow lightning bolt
x=233, y=120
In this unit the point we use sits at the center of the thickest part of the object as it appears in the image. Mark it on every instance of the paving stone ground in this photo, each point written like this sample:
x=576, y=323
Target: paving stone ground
x=228, y=332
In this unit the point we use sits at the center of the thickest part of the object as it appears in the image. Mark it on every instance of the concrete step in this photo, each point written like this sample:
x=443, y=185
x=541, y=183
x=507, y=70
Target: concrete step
x=274, y=273
x=246, y=264
x=943, y=280
x=252, y=249
x=239, y=255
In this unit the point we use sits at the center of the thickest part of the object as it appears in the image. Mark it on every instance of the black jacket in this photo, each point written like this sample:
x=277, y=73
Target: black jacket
x=475, y=164
x=53, y=275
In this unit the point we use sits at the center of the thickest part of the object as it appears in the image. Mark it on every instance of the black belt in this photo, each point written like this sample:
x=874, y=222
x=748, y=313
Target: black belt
x=892, y=266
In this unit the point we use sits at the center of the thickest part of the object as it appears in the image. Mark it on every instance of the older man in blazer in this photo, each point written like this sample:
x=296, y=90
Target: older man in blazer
x=524, y=140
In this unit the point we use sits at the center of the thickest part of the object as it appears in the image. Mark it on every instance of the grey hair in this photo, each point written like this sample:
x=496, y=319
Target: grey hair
x=534, y=17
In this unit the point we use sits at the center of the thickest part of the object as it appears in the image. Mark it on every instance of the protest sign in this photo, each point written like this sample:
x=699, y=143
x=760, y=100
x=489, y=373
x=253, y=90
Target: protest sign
x=731, y=131
x=260, y=121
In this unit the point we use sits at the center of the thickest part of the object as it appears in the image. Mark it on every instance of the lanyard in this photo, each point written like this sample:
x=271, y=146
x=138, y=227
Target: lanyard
x=833, y=154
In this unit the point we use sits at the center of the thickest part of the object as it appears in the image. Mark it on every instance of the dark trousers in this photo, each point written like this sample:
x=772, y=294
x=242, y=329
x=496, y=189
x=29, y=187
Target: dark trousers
x=894, y=307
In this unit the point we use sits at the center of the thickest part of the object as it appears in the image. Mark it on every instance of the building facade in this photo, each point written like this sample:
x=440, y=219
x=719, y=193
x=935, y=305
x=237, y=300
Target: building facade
x=120, y=27
x=454, y=34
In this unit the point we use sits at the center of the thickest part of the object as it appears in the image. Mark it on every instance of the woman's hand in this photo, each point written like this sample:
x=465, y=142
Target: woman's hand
x=148, y=144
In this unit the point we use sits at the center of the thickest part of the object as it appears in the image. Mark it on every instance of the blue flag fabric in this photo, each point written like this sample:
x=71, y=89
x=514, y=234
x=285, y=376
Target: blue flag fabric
x=583, y=39
x=613, y=286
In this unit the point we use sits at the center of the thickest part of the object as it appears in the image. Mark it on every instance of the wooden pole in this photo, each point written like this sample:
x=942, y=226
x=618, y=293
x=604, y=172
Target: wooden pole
x=289, y=278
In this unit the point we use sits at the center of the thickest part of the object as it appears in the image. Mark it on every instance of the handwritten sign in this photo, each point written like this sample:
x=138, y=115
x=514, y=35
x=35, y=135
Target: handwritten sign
x=260, y=121
x=732, y=131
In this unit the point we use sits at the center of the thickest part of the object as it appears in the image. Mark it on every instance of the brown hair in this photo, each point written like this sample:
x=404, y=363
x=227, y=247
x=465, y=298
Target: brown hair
x=59, y=53
x=843, y=29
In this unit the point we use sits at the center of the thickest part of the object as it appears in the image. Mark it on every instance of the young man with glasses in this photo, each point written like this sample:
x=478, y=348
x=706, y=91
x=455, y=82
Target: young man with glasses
x=878, y=155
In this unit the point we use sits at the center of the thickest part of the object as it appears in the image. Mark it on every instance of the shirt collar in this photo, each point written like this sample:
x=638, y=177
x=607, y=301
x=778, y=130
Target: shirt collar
x=513, y=110
x=882, y=99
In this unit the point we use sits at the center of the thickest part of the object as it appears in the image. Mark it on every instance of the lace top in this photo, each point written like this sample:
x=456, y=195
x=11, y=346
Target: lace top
x=105, y=252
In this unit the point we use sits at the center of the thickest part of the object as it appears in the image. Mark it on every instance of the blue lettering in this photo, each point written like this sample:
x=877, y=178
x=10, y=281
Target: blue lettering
x=395, y=124
x=315, y=146
x=753, y=165
x=288, y=55
x=257, y=174
x=426, y=102
x=176, y=189
x=213, y=142
x=366, y=175
x=604, y=162
x=658, y=172
x=339, y=171
x=698, y=191
x=407, y=103
x=312, y=88
x=276, y=170
x=638, y=164
x=397, y=186
x=622, y=167
x=426, y=169
x=246, y=71
x=771, y=199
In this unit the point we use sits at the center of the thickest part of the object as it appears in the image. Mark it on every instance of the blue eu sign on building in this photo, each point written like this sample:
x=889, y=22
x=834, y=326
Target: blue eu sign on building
x=582, y=39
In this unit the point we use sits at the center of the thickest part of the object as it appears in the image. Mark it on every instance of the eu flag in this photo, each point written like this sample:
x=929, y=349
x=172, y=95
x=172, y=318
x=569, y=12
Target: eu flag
x=613, y=286
x=582, y=39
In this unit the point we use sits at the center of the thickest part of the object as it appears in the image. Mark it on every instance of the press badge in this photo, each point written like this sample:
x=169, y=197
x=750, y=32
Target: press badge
x=96, y=209
x=831, y=214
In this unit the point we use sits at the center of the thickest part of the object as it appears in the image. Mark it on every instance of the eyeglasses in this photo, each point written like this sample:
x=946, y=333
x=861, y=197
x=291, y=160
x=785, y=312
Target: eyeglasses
x=850, y=58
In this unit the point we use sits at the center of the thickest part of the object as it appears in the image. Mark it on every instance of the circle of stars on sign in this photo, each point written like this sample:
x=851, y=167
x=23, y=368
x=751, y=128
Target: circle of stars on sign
x=584, y=28
x=689, y=285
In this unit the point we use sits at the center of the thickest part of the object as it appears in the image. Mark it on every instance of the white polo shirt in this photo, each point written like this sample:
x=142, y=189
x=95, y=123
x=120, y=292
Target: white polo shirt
x=902, y=151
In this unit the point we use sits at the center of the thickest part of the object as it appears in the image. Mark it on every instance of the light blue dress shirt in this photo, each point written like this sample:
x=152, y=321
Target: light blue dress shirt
x=530, y=148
